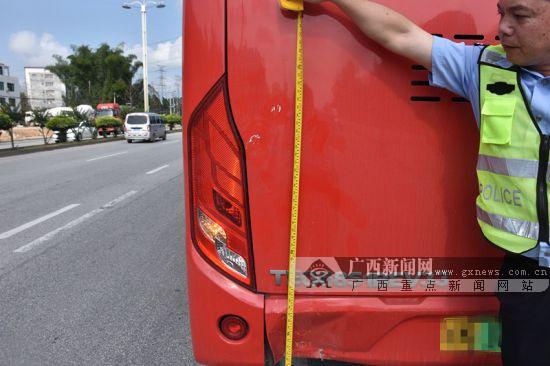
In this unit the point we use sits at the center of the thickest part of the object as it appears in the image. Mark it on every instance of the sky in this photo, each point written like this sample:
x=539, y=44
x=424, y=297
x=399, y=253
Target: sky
x=32, y=31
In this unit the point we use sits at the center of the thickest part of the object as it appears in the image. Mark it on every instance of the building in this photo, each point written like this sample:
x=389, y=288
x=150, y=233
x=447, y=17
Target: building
x=44, y=88
x=10, y=91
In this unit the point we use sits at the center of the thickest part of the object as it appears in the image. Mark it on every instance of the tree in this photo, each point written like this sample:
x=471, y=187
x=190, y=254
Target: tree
x=6, y=124
x=25, y=105
x=125, y=110
x=171, y=120
x=92, y=76
x=135, y=96
x=88, y=118
x=62, y=124
x=40, y=118
x=15, y=116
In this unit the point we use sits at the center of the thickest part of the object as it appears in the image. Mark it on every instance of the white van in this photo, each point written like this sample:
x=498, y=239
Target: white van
x=144, y=126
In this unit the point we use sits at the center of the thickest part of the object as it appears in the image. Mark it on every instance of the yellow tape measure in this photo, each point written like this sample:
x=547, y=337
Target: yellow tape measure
x=296, y=5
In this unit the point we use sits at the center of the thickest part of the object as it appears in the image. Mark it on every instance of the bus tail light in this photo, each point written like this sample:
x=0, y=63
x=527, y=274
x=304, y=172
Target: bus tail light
x=220, y=226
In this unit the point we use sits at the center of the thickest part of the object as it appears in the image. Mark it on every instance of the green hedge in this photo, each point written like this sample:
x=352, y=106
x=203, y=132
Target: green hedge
x=5, y=122
x=61, y=124
x=171, y=120
x=105, y=122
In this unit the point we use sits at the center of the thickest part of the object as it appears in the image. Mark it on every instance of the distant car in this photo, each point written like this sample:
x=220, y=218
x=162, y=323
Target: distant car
x=144, y=127
x=29, y=117
x=82, y=132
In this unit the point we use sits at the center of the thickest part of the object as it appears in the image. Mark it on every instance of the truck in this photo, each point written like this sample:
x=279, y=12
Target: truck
x=108, y=110
x=387, y=175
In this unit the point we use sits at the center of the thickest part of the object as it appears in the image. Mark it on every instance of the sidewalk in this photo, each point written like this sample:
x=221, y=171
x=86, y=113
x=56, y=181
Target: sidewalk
x=22, y=142
x=22, y=133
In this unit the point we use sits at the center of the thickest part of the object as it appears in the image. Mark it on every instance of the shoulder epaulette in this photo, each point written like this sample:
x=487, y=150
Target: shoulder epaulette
x=495, y=58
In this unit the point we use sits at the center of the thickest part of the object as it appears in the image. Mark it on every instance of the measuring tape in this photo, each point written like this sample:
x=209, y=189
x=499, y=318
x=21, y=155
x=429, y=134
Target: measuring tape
x=296, y=5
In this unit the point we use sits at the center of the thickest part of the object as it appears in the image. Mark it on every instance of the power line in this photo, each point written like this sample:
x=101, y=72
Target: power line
x=166, y=68
x=162, y=70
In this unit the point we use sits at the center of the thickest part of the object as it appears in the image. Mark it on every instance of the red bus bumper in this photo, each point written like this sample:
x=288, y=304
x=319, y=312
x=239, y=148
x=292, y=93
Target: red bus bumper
x=365, y=330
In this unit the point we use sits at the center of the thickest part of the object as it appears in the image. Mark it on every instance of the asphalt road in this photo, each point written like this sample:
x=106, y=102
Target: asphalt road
x=92, y=267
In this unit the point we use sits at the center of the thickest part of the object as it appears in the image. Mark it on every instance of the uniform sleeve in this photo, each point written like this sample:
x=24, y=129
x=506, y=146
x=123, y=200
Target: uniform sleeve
x=454, y=67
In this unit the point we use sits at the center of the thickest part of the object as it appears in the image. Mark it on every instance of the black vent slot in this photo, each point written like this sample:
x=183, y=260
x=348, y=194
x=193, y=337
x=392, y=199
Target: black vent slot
x=475, y=37
x=417, y=83
x=460, y=100
x=426, y=99
x=418, y=67
x=416, y=79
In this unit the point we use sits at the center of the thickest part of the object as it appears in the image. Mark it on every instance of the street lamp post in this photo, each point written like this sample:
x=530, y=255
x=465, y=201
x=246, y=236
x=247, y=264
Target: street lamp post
x=144, y=4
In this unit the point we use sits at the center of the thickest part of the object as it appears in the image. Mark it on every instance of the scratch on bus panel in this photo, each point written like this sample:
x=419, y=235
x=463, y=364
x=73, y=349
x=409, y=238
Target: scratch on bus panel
x=276, y=108
x=254, y=137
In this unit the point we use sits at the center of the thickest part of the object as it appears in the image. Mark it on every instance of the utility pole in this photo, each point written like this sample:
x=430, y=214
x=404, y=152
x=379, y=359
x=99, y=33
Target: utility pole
x=144, y=50
x=143, y=6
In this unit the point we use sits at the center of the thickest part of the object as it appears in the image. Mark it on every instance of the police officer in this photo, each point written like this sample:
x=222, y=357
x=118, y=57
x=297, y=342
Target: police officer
x=508, y=86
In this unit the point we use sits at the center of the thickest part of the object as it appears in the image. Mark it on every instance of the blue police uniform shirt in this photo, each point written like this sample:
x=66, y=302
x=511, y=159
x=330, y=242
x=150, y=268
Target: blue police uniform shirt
x=454, y=67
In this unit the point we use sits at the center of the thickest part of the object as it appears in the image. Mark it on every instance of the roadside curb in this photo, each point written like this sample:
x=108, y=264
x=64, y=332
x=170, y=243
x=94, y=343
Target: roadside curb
x=39, y=148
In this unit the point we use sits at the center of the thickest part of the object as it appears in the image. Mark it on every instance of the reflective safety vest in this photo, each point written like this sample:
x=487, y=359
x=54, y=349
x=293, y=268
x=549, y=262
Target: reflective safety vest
x=512, y=169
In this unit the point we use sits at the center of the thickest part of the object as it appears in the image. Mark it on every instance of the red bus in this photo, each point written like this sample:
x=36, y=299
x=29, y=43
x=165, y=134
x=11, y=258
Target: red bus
x=388, y=171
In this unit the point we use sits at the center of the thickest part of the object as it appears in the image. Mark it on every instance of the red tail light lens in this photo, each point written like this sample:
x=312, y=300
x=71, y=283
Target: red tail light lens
x=217, y=176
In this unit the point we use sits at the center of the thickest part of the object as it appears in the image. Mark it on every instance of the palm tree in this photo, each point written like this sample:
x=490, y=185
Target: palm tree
x=40, y=117
x=15, y=115
x=5, y=124
x=88, y=118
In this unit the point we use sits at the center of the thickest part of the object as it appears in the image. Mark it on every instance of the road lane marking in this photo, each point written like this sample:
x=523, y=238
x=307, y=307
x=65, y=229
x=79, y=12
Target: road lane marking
x=70, y=225
x=30, y=224
x=118, y=200
x=106, y=156
x=158, y=169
